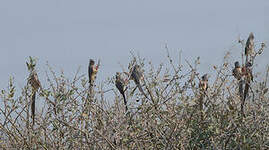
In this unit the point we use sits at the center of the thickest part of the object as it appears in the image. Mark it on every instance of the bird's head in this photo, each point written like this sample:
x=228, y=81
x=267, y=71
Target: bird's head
x=251, y=36
x=236, y=64
x=118, y=74
x=205, y=77
x=91, y=62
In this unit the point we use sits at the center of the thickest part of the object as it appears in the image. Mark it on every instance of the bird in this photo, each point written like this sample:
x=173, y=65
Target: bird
x=120, y=84
x=35, y=83
x=249, y=49
x=237, y=71
x=137, y=76
x=203, y=85
x=92, y=71
x=248, y=78
x=247, y=73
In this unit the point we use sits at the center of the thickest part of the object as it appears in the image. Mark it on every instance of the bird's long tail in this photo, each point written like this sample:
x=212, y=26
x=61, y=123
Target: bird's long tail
x=246, y=91
x=33, y=107
x=125, y=101
x=201, y=103
x=244, y=98
x=241, y=93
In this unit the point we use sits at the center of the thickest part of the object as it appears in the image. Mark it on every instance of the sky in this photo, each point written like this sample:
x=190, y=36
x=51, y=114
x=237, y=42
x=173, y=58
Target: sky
x=67, y=33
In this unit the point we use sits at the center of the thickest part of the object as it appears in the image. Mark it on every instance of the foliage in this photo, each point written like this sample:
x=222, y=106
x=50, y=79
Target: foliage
x=169, y=119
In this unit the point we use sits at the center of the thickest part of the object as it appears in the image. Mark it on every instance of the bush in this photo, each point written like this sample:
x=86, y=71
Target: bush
x=176, y=115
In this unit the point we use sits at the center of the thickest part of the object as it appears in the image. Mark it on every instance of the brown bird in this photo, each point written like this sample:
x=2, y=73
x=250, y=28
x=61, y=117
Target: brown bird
x=237, y=71
x=203, y=85
x=92, y=71
x=137, y=76
x=249, y=49
x=35, y=83
x=120, y=84
x=248, y=78
x=247, y=73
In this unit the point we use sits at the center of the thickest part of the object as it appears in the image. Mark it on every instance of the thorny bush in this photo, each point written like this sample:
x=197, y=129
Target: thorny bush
x=171, y=118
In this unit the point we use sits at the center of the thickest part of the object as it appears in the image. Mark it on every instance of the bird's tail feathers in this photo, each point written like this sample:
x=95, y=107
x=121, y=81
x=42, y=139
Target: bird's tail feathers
x=33, y=107
x=125, y=101
x=246, y=91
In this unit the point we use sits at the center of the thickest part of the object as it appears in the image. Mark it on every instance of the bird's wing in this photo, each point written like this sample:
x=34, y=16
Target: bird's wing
x=119, y=86
x=90, y=71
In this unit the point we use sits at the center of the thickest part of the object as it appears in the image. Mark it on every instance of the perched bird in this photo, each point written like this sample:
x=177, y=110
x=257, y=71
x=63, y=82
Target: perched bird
x=248, y=78
x=249, y=49
x=237, y=71
x=92, y=71
x=137, y=76
x=247, y=73
x=120, y=84
x=203, y=85
x=35, y=83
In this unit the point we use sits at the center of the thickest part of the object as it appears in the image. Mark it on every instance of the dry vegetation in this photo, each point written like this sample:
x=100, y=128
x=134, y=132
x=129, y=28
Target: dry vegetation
x=172, y=117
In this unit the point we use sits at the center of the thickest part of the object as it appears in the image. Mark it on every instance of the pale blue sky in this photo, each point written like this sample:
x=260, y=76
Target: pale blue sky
x=67, y=33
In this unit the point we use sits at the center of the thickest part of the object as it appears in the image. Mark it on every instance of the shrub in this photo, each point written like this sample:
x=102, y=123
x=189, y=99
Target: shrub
x=176, y=115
